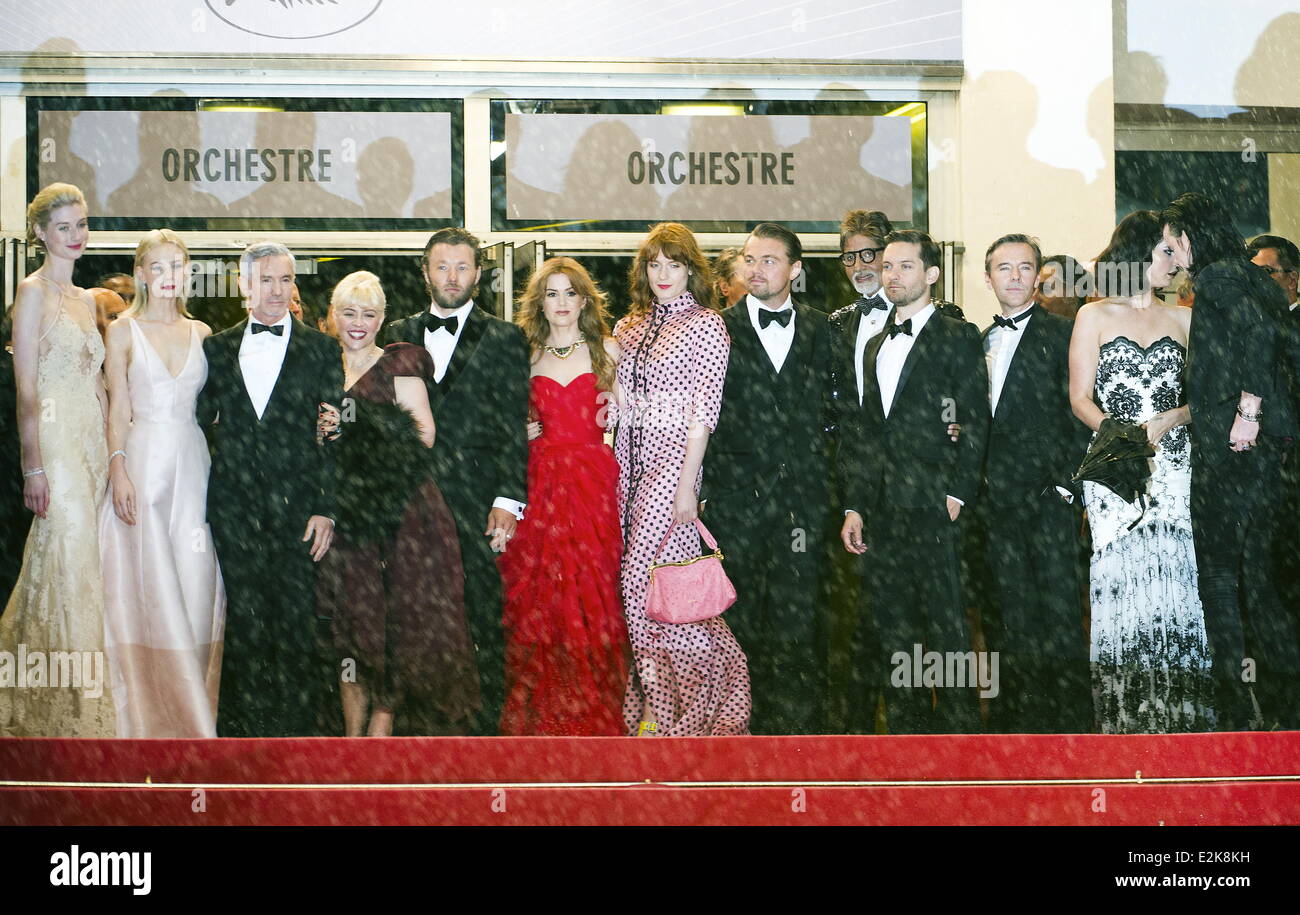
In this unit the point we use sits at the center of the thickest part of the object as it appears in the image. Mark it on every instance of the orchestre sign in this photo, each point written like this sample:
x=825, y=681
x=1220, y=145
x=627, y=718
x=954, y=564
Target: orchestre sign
x=246, y=164
x=706, y=168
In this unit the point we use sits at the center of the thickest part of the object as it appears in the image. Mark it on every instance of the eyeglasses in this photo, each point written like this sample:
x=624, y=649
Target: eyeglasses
x=867, y=255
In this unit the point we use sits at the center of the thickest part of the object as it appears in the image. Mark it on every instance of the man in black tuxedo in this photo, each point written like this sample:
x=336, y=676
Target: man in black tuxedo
x=767, y=487
x=905, y=482
x=270, y=504
x=862, y=235
x=1279, y=257
x=1240, y=393
x=1028, y=512
x=479, y=396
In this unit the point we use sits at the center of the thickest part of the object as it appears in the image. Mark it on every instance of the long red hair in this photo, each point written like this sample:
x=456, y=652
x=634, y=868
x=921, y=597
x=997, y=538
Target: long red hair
x=673, y=240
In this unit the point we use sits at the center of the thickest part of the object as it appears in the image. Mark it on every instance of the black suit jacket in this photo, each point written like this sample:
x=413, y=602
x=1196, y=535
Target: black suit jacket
x=1035, y=441
x=907, y=460
x=1239, y=341
x=480, y=409
x=770, y=442
x=269, y=474
x=843, y=382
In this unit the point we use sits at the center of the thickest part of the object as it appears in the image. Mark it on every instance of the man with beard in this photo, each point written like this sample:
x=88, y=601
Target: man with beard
x=905, y=482
x=479, y=396
x=767, y=484
x=1239, y=390
x=861, y=244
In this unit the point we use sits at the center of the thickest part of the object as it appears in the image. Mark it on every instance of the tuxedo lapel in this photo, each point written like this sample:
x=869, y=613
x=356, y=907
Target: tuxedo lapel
x=475, y=327
x=800, y=356
x=411, y=330
x=870, y=384
x=237, y=341
x=1027, y=352
x=922, y=340
x=1027, y=368
x=751, y=345
x=292, y=356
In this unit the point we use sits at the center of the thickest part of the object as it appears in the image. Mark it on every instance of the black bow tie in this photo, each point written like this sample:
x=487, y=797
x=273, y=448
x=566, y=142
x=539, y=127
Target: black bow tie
x=904, y=328
x=277, y=329
x=432, y=322
x=1011, y=323
x=767, y=316
x=867, y=305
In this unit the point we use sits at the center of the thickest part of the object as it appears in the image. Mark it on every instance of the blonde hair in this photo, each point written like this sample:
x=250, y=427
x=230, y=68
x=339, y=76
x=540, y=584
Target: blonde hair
x=46, y=201
x=360, y=288
x=593, y=320
x=155, y=239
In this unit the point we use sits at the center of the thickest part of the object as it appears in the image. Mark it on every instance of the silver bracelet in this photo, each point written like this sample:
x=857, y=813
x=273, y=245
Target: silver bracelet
x=115, y=454
x=35, y=471
x=1250, y=417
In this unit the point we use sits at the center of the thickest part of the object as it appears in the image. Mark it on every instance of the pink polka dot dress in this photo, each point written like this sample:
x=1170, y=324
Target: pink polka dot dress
x=671, y=373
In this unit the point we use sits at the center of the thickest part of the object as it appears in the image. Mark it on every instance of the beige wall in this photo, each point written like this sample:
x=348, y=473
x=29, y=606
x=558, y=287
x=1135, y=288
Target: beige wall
x=1036, y=150
x=1284, y=194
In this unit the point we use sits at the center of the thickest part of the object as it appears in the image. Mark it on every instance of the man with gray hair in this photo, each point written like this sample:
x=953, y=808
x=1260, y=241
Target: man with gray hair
x=270, y=501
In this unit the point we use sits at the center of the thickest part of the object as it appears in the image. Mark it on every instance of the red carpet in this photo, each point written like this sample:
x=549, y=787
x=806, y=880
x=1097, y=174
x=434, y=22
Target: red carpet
x=1219, y=779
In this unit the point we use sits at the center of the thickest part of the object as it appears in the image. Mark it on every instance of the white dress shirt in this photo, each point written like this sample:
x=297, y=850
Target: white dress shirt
x=999, y=348
x=441, y=346
x=868, y=326
x=260, y=358
x=893, y=353
x=776, y=339
x=890, y=357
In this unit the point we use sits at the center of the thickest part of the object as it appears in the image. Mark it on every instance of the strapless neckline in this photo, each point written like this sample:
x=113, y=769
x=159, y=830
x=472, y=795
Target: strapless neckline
x=564, y=384
x=1121, y=339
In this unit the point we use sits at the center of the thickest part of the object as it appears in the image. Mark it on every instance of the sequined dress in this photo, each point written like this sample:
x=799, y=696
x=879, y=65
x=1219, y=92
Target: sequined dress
x=57, y=681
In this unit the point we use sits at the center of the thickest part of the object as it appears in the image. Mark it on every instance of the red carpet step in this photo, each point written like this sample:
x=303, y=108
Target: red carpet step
x=1219, y=779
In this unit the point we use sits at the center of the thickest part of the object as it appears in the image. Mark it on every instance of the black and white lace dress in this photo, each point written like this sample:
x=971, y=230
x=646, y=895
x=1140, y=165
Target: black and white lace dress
x=1149, y=656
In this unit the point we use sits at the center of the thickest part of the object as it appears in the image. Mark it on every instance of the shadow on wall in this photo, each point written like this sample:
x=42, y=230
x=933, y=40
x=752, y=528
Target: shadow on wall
x=1270, y=76
x=1007, y=140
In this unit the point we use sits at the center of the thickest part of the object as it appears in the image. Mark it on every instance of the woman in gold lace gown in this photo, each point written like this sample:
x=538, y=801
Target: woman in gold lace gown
x=53, y=672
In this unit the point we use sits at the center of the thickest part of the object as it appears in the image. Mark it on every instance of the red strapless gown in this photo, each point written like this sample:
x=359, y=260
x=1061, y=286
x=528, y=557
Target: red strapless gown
x=566, y=640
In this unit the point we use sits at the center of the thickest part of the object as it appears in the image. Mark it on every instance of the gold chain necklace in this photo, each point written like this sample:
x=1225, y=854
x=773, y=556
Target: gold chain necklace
x=564, y=352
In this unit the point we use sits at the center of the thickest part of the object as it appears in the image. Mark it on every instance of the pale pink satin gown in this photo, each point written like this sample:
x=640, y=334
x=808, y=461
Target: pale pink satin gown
x=164, y=603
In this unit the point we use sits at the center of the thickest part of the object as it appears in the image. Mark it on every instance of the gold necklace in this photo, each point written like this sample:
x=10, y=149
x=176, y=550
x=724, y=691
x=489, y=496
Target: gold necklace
x=564, y=352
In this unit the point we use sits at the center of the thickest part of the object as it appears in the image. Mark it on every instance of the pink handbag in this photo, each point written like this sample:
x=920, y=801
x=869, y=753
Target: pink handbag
x=691, y=591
